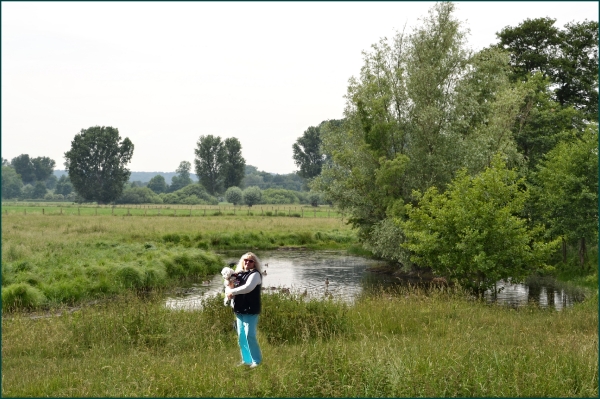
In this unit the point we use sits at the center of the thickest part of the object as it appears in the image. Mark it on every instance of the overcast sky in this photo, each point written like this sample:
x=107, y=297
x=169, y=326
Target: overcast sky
x=166, y=73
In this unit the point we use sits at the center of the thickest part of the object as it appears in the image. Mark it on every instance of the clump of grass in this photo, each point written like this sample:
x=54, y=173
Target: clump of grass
x=21, y=296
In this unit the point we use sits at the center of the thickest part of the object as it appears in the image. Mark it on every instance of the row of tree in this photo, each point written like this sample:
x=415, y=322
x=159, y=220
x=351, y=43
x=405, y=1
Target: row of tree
x=467, y=162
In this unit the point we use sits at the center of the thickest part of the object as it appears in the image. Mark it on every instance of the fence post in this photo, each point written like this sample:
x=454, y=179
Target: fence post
x=302, y=210
x=25, y=210
x=43, y=211
x=61, y=210
x=78, y=212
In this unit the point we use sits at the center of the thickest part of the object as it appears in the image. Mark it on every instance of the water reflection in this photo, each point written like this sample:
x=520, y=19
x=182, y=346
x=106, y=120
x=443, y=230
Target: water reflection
x=544, y=296
x=300, y=272
x=306, y=272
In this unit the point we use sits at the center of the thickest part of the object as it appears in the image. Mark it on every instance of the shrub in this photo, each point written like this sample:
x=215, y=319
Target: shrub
x=234, y=195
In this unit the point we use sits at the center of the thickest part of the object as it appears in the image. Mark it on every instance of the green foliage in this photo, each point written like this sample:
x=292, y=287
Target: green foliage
x=565, y=187
x=234, y=195
x=21, y=296
x=11, y=183
x=96, y=163
x=568, y=57
x=307, y=152
x=39, y=190
x=63, y=186
x=43, y=168
x=235, y=164
x=252, y=196
x=279, y=196
x=139, y=195
x=210, y=160
x=192, y=194
x=474, y=232
x=265, y=180
x=182, y=179
x=158, y=184
x=24, y=167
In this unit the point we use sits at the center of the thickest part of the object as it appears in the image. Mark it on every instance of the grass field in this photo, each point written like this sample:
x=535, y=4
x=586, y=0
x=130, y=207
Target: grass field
x=393, y=344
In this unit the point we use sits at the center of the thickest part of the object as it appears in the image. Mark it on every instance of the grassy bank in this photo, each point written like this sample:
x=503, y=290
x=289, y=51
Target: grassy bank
x=49, y=260
x=395, y=344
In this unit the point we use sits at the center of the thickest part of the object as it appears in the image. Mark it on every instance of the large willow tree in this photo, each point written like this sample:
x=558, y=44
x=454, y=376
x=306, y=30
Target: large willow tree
x=423, y=107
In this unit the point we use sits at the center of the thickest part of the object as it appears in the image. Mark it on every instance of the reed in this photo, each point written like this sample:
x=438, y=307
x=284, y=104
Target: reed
x=392, y=344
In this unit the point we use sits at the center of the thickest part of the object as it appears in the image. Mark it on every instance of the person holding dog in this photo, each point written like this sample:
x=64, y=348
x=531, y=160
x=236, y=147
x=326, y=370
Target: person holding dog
x=247, y=306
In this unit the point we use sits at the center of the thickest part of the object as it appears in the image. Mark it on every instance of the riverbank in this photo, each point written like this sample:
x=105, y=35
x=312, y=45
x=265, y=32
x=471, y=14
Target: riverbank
x=393, y=344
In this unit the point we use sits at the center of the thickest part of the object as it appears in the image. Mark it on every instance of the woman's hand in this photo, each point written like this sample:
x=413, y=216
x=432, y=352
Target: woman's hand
x=229, y=295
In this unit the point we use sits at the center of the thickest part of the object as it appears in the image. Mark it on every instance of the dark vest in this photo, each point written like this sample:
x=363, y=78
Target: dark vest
x=247, y=303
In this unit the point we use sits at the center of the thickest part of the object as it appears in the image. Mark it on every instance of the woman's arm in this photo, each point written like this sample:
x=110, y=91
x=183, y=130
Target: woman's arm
x=254, y=280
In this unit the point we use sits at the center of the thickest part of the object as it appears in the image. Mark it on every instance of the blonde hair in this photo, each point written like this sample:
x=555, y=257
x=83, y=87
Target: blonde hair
x=241, y=266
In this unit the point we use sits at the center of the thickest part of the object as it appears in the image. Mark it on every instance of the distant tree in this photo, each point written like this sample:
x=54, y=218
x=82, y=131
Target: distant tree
x=308, y=155
x=252, y=196
x=235, y=164
x=51, y=182
x=211, y=157
x=43, y=168
x=158, y=184
x=96, y=163
x=234, y=195
x=314, y=198
x=39, y=190
x=5, y=162
x=24, y=167
x=139, y=195
x=182, y=178
x=11, y=183
x=63, y=186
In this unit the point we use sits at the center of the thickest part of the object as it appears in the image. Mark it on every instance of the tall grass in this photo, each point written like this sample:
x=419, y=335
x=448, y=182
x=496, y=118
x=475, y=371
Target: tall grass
x=394, y=344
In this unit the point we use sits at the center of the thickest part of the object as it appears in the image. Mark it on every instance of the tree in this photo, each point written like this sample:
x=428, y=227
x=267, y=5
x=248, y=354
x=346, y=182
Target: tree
x=566, y=190
x=63, y=186
x=210, y=159
x=96, y=163
x=234, y=195
x=423, y=108
x=51, y=182
x=567, y=57
x=43, y=168
x=11, y=183
x=235, y=164
x=182, y=178
x=39, y=190
x=308, y=155
x=24, y=167
x=252, y=195
x=474, y=232
x=158, y=184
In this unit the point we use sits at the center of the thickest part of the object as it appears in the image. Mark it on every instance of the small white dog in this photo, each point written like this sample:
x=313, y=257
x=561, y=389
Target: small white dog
x=230, y=280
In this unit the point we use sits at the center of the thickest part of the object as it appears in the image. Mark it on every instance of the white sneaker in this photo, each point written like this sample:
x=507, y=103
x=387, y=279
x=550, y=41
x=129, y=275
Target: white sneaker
x=253, y=365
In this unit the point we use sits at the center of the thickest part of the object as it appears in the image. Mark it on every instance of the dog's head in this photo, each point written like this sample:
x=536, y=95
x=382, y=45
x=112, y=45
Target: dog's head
x=227, y=272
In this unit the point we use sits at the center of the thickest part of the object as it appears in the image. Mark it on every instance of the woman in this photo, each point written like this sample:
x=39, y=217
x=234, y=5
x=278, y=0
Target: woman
x=246, y=307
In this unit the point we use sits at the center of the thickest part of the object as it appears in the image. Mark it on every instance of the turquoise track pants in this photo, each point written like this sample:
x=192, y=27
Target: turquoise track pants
x=246, y=328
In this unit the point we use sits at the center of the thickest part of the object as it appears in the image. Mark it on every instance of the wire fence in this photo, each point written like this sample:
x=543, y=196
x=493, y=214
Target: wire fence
x=151, y=210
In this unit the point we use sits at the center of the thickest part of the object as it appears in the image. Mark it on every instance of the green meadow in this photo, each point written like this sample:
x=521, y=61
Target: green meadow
x=84, y=315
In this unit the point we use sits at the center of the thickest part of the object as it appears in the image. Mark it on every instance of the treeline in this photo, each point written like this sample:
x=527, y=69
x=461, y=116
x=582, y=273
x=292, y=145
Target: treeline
x=479, y=165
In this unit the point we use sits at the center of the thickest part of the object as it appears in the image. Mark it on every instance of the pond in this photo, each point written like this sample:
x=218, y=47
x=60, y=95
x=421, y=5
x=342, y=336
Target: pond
x=322, y=274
